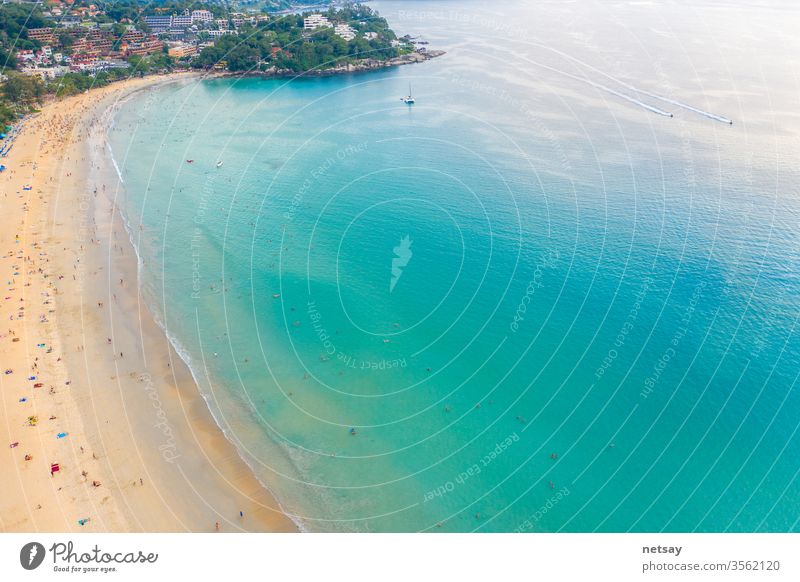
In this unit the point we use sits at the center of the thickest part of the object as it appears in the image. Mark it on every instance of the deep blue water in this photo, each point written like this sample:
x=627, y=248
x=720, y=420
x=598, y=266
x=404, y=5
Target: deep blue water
x=592, y=319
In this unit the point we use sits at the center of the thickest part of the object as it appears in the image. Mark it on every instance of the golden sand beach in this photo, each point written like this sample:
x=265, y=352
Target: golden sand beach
x=102, y=427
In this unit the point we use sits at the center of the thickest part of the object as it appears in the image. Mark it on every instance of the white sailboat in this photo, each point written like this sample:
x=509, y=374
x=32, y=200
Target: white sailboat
x=409, y=99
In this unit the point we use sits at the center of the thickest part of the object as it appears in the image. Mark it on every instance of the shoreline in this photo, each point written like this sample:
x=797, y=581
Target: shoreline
x=136, y=422
x=363, y=66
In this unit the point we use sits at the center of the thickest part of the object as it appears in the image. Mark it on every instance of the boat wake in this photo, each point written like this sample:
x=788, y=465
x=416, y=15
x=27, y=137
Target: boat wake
x=601, y=87
x=637, y=102
x=708, y=114
x=630, y=87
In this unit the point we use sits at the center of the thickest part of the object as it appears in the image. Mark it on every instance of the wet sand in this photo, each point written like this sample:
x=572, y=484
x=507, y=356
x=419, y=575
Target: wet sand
x=139, y=450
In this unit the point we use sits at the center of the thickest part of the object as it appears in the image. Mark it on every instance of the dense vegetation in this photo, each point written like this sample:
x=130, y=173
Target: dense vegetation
x=21, y=93
x=282, y=43
x=133, y=10
x=15, y=20
x=18, y=92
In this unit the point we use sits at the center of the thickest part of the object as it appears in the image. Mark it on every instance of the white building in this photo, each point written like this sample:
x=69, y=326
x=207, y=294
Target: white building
x=182, y=20
x=370, y=35
x=201, y=16
x=47, y=72
x=240, y=18
x=313, y=21
x=345, y=31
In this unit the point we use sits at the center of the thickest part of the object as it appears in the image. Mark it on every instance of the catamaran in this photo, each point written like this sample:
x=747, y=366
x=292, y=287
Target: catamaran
x=408, y=100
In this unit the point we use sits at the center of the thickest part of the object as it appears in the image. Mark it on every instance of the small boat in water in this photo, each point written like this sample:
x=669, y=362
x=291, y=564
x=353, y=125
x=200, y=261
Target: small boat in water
x=409, y=99
x=219, y=164
x=189, y=161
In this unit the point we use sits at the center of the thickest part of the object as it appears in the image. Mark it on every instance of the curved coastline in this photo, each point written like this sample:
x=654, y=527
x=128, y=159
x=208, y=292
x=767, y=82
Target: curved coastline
x=138, y=427
x=183, y=359
x=182, y=352
x=362, y=66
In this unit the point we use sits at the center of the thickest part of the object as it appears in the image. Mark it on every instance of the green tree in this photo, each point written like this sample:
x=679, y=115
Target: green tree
x=301, y=50
x=7, y=60
x=24, y=90
x=118, y=29
x=7, y=114
x=243, y=58
x=66, y=40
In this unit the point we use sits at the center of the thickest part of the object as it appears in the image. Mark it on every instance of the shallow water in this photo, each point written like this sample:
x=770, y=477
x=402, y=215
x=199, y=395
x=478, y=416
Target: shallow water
x=590, y=320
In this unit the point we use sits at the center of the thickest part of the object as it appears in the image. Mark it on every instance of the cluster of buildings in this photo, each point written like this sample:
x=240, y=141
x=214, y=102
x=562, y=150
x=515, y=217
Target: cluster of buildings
x=45, y=62
x=313, y=21
x=81, y=42
x=86, y=49
x=65, y=9
x=190, y=24
x=179, y=22
x=347, y=32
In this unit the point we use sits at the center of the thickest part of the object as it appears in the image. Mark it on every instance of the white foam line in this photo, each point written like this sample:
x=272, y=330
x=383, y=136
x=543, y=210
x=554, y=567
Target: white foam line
x=180, y=350
x=685, y=106
x=637, y=102
x=114, y=162
x=632, y=88
x=607, y=90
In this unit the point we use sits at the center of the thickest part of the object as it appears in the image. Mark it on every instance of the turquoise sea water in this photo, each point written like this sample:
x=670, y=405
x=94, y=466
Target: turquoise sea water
x=590, y=321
